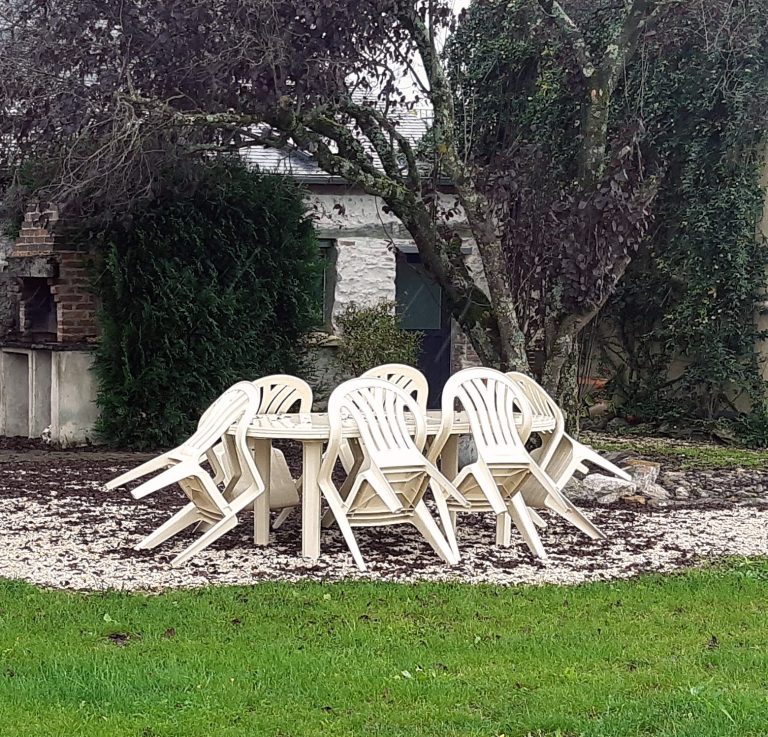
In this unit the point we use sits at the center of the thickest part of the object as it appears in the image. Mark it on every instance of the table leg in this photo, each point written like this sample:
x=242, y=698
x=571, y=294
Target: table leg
x=262, y=452
x=449, y=458
x=312, y=452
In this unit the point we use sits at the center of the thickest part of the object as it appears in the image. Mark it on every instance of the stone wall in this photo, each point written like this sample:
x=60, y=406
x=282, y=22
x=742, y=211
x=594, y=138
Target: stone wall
x=47, y=393
x=37, y=233
x=365, y=273
x=47, y=315
x=76, y=305
x=73, y=398
x=340, y=212
x=367, y=237
x=41, y=236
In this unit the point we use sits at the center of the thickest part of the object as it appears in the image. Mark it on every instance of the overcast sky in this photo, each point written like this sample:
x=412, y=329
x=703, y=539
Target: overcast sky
x=408, y=85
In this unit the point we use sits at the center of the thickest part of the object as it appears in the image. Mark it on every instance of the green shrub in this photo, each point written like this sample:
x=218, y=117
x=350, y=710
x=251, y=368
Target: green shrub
x=371, y=336
x=200, y=290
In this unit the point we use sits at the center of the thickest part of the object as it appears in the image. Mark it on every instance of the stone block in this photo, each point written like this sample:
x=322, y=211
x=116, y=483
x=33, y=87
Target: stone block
x=643, y=473
x=43, y=267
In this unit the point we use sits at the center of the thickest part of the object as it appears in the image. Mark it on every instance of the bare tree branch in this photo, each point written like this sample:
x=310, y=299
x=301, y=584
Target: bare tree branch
x=374, y=124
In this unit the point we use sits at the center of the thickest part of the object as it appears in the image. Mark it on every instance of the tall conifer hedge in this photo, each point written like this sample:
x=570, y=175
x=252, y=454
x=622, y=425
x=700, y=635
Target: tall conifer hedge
x=200, y=290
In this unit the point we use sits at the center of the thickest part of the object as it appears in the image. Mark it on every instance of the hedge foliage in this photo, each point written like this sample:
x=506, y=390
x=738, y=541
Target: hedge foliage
x=372, y=336
x=200, y=290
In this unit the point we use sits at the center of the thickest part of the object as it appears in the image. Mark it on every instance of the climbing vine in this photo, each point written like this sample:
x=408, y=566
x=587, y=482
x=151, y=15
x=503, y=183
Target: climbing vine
x=687, y=132
x=685, y=314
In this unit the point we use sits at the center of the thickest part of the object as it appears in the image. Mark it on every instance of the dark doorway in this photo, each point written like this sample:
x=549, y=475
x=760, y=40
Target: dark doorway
x=421, y=307
x=39, y=310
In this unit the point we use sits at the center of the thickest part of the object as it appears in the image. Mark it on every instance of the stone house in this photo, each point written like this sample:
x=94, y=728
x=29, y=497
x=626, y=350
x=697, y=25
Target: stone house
x=369, y=256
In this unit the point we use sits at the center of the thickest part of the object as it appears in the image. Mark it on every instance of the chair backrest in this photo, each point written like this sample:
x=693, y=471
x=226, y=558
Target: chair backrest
x=542, y=404
x=238, y=403
x=394, y=467
x=280, y=392
x=274, y=394
x=379, y=408
x=493, y=403
x=406, y=377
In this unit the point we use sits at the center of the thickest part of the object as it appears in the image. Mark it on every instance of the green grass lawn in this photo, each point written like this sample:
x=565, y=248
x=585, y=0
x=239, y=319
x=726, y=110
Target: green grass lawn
x=689, y=456
x=683, y=656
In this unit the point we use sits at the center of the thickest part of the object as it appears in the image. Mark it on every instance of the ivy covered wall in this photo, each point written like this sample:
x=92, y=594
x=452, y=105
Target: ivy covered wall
x=691, y=113
x=686, y=310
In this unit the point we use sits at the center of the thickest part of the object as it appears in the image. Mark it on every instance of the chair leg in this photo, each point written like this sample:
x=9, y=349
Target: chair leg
x=185, y=517
x=220, y=528
x=537, y=520
x=589, y=455
x=136, y=473
x=577, y=519
x=426, y=525
x=328, y=519
x=346, y=457
x=284, y=514
x=560, y=504
x=519, y=513
x=215, y=457
x=503, y=530
x=447, y=523
x=173, y=475
x=346, y=529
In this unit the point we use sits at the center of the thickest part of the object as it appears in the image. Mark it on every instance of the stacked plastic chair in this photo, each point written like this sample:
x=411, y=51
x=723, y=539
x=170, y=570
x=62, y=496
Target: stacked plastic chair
x=394, y=475
x=213, y=508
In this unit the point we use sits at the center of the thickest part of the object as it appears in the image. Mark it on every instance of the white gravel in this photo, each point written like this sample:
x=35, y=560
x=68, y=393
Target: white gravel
x=74, y=535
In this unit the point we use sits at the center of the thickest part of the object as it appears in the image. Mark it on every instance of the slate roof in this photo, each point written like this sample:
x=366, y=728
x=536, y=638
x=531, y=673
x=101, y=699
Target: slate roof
x=302, y=166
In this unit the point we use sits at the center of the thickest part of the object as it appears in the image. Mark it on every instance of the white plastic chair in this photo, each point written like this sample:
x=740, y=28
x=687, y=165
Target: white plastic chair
x=216, y=510
x=402, y=375
x=494, y=483
x=408, y=378
x=394, y=475
x=278, y=394
x=560, y=455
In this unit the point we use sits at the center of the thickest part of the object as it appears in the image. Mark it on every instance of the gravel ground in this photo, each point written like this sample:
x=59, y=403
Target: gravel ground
x=61, y=529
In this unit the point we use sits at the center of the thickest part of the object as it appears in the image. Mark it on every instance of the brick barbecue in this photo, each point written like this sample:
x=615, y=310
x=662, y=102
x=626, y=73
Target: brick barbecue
x=48, y=332
x=52, y=283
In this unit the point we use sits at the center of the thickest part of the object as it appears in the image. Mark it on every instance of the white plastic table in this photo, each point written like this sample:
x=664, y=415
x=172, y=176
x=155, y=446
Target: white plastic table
x=312, y=431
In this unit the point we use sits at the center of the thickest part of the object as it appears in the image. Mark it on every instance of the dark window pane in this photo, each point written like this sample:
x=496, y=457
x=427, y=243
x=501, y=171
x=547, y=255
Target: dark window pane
x=325, y=284
x=418, y=298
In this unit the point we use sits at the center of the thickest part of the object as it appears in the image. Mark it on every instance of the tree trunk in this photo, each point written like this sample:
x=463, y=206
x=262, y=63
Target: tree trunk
x=476, y=207
x=469, y=305
x=561, y=363
x=561, y=368
x=495, y=266
x=561, y=380
x=568, y=396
